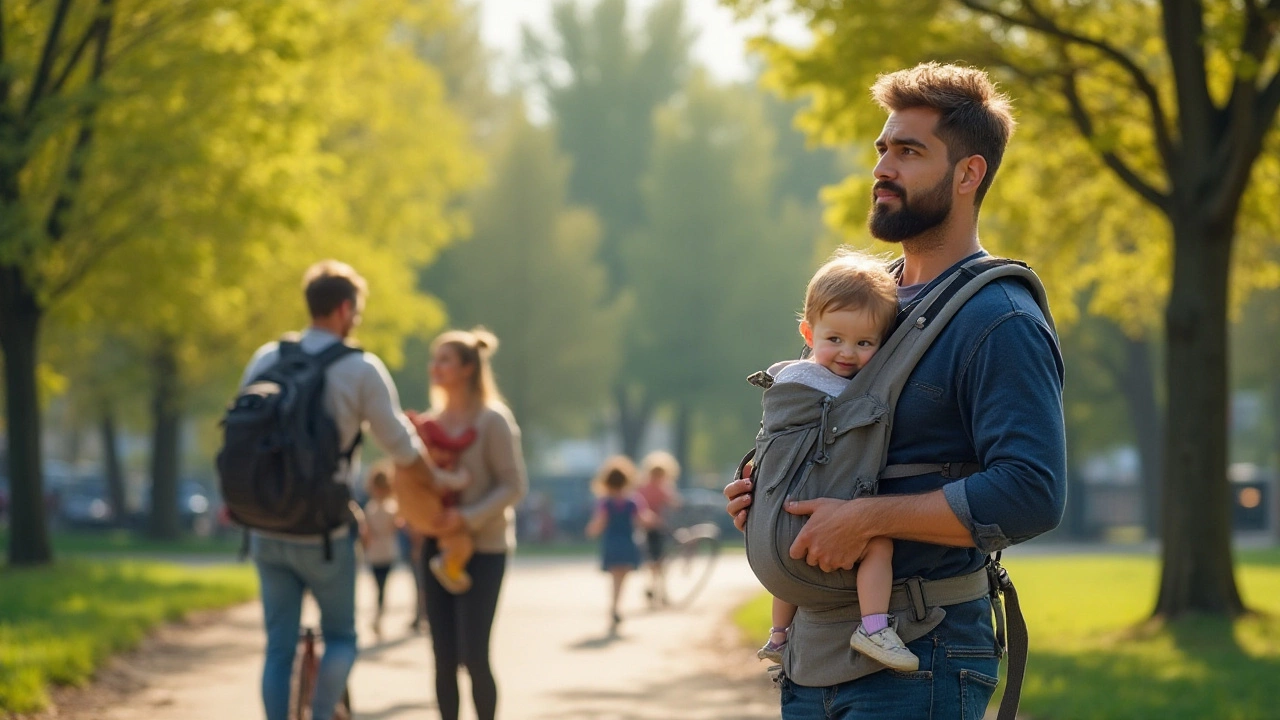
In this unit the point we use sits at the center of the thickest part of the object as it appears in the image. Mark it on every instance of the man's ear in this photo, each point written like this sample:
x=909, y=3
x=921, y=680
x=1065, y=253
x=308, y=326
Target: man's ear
x=806, y=331
x=971, y=171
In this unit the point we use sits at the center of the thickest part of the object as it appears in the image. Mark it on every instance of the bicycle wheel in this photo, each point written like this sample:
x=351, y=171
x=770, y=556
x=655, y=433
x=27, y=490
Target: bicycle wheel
x=687, y=566
x=303, y=682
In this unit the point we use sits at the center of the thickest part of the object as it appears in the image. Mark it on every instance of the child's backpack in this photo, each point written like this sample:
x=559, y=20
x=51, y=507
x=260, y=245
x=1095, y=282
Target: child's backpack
x=837, y=448
x=281, y=451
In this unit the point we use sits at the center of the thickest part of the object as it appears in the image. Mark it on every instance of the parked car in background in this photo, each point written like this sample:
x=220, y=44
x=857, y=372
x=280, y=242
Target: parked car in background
x=196, y=507
x=83, y=502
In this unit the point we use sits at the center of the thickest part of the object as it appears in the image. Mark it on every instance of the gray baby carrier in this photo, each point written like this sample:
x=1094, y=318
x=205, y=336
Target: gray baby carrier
x=814, y=445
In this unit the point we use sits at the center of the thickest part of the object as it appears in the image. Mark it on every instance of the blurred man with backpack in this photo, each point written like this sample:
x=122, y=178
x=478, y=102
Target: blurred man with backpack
x=289, y=458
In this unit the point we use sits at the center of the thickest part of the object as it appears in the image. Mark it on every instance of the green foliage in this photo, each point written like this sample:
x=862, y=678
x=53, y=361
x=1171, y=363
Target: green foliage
x=314, y=149
x=603, y=108
x=529, y=272
x=719, y=269
x=60, y=622
x=1094, y=658
x=1055, y=203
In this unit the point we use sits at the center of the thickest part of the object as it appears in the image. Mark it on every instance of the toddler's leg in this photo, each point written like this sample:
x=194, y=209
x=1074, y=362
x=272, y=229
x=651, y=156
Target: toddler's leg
x=457, y=551
x=874, y=637
x=781, y=614
x=450, y=566
x=875, y=577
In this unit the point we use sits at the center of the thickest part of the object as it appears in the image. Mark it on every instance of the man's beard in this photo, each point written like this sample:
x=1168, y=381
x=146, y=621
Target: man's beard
x=915, y=217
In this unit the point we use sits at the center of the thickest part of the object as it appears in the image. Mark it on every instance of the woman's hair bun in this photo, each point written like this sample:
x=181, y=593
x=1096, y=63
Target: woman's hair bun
x=486, y=342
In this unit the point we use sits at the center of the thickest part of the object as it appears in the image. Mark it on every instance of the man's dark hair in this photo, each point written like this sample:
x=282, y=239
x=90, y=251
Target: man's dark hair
x=329, y=283
x=977, y=119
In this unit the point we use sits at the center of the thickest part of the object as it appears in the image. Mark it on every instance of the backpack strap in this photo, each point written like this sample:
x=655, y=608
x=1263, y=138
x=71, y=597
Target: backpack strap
x=333, y=352
x=1018, y=640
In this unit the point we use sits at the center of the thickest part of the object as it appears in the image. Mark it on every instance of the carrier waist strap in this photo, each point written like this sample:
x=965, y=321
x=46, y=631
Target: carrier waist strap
x=948, y=470
x=915, y=594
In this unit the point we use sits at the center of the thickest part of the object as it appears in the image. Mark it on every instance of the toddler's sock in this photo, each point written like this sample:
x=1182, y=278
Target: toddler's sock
x=875, y=623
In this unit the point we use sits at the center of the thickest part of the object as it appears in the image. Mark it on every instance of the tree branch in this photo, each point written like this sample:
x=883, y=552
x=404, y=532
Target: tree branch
x=45, y=68
x=1083, y=121
x=1269, y=101
x=1184, y=36
x=1044, y=24
x=1248, y=117
x=4, y=75
x=89, y=34
x=160, y=22
x=55, y=224
x=102, y=247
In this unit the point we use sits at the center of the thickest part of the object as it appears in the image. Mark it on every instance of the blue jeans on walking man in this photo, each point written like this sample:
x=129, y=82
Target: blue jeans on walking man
x=286, y=569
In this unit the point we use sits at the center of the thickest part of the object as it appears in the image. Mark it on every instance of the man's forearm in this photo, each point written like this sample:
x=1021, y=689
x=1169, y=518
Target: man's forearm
x=926, y=518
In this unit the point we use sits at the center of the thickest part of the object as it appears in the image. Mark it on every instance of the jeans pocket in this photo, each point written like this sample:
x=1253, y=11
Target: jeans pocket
x=975, y=693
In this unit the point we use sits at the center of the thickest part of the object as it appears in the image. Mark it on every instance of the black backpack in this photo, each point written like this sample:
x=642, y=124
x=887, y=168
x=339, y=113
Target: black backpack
x=281, y=450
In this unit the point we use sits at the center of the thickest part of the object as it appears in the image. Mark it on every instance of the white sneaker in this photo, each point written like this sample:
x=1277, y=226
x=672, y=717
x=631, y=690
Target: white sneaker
x=885, y=647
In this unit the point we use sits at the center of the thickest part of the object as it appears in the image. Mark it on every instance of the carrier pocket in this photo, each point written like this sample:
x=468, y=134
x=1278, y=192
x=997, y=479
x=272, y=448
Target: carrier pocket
x=858, y=412
x=775, y=465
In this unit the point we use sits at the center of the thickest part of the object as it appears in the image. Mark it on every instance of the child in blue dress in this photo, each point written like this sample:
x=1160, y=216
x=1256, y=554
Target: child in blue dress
x=618, y=514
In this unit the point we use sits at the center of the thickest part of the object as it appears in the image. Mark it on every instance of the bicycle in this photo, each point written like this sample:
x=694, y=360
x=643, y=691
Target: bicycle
x=687, y=563
x=306, y=670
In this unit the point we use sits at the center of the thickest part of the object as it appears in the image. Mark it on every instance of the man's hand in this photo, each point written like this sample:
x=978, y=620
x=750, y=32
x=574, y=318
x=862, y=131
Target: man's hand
x=738, y=492
x=833, y=538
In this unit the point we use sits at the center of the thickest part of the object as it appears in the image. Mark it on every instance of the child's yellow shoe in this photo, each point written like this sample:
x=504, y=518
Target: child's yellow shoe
x=456, y=584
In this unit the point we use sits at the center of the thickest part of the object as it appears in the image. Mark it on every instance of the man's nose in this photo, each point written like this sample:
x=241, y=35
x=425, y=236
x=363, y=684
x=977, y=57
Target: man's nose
x=884, y=169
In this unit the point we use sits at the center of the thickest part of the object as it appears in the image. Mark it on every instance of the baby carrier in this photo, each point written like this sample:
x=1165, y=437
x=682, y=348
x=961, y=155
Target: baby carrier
x=817, y=446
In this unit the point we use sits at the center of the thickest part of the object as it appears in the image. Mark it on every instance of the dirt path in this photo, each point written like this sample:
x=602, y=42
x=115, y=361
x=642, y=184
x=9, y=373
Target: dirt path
x=553, y=658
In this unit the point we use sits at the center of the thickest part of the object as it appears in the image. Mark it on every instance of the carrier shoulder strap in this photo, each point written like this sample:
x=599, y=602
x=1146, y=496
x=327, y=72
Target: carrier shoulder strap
x=919, y=324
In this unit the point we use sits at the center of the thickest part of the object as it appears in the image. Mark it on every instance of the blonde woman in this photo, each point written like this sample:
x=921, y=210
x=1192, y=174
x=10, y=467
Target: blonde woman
x=470, y=429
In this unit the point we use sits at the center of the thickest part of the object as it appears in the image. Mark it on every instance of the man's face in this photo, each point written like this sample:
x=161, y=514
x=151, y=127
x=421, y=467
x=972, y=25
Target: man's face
x=913, y=189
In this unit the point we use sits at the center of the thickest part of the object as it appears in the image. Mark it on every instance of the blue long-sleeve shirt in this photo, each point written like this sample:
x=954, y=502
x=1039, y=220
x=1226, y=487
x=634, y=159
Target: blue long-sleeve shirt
x=989, y=390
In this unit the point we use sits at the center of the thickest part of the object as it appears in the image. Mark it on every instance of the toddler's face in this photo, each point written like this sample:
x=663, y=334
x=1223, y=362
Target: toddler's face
x=843, y=341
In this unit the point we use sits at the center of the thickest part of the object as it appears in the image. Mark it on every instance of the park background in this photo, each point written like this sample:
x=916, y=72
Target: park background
x=632, y=195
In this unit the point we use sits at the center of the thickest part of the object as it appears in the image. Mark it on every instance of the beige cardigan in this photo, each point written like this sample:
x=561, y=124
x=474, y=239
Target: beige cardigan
x=498, y=481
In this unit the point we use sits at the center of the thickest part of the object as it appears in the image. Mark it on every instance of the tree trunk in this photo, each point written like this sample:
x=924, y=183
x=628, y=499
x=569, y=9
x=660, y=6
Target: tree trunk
x=111, y=465
x=633, y=419
x=680, y=442
x=20, y=316
x=1137, y=384
x=164, y=523
x=1274, y=488
x=1197, y=573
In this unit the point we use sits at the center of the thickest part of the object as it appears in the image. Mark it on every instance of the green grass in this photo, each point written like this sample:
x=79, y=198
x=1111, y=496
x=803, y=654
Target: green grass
x=58, y=623
x=69, y=542
x=1095, y=656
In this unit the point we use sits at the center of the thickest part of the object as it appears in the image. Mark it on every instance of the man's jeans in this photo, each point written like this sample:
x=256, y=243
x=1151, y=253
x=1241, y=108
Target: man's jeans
x=957, y=675
x=285, y=570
